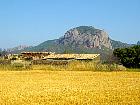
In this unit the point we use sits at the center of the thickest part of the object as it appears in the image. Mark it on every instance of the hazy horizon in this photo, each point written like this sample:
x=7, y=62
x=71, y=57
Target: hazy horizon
x=30, y=22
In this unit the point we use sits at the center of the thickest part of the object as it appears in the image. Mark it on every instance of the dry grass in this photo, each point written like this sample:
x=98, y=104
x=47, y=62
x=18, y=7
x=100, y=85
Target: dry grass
x=61, y=66
x=45, y=87
x=82, y=66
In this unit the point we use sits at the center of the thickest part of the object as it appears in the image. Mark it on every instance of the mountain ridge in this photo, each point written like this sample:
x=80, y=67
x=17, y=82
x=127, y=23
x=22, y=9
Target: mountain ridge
x=82, y=39
x=87, y=37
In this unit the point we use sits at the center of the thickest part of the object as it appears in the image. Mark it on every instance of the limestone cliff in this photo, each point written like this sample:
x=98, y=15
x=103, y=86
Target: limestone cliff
x=86, y=36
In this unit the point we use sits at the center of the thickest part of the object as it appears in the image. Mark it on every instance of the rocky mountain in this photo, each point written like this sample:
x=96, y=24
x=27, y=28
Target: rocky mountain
x=83, y=39
x=88, y=37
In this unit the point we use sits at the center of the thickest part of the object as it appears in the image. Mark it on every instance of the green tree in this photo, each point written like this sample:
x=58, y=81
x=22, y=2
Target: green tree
x=129, y=57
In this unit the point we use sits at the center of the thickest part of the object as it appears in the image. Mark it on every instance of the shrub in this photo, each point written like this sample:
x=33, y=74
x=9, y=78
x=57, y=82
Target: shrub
x=21, y=64
x=129, y=57
x=110, y=67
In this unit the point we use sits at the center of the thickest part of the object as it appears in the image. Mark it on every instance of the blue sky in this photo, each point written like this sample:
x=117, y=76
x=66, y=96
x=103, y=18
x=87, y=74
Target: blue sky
x=30, y=22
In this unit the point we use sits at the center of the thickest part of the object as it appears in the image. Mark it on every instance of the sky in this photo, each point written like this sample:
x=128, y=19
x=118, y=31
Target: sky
x=31, y=22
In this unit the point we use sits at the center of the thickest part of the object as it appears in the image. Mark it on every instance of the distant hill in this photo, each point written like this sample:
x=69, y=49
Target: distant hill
x=119, y=44
x=83, y=39
x=138, y=43
x=18, y=49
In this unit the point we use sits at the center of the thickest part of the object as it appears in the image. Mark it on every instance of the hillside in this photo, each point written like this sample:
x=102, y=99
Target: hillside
x=18, y=48
x=83, y=39
x=86, y=37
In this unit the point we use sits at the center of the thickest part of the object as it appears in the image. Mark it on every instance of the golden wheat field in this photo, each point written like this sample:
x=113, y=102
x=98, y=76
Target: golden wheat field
x=45, y=87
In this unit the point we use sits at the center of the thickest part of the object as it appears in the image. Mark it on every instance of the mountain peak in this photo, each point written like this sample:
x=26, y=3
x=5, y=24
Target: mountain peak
x=87, y=29
x=86, y=36
x=82, y=39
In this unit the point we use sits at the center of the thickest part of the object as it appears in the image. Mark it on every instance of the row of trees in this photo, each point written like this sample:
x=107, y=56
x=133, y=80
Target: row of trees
x=129, y=57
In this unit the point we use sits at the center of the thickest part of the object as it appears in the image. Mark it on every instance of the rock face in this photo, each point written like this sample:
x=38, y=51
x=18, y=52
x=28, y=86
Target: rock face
x=86, y=36
x=83, y=39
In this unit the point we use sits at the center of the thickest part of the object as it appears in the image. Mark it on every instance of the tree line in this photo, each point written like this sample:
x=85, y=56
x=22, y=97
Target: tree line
x=129, y=57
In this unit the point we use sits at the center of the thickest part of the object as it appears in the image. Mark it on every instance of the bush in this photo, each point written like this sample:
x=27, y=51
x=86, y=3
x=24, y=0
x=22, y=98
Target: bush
x=129, y=57
x=84, y=66
x=4, y=62
x=110, y=67
x=21, y=64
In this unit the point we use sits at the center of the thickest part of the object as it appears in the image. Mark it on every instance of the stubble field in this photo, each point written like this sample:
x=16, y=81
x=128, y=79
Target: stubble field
x=44, y=87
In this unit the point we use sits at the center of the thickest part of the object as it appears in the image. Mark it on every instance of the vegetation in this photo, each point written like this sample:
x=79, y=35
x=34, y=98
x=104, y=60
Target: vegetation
x=88, y=29
x=129, y=57
x=72, y=47
x=118, y=44
x=63, y=66
x=3, y=52
x=45, y=87
x=71, y=84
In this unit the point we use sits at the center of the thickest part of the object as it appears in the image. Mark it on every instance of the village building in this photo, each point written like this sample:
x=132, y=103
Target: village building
x=53, y=56
x=72, y=56
x=35, y=55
